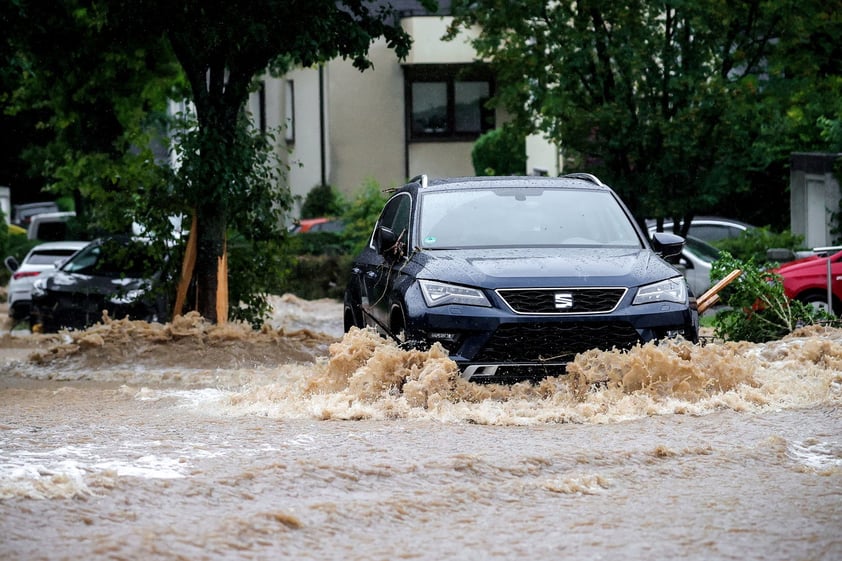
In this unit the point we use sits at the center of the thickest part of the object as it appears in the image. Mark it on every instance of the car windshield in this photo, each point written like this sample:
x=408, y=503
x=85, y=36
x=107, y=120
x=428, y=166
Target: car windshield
x=49, y=256
x=111, y=258
x=523, y=217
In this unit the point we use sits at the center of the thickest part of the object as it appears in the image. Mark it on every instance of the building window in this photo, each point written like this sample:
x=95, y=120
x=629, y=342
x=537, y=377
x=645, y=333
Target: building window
x=448, y=102
x=289, y=111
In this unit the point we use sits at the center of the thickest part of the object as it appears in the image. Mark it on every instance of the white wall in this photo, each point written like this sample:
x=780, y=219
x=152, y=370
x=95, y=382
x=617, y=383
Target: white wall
x=305, y=152
x=441, y=159
x=542, y=154
x=427, y=46
x=814, y=197
x=367, y=121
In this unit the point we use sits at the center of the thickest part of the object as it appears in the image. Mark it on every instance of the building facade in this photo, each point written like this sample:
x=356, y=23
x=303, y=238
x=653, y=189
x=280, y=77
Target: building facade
x=343, y=127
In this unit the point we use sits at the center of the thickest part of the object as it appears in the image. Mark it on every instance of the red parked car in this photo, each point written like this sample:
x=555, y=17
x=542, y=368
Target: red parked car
x=806, y=280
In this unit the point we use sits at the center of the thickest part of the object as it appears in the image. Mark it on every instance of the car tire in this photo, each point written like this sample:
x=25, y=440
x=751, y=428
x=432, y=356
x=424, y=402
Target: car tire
x=352, y=318
x=818, y=300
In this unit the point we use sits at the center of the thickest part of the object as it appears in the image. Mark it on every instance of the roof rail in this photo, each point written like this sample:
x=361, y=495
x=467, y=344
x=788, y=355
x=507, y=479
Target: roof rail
x=422, y=179
x=586, y=177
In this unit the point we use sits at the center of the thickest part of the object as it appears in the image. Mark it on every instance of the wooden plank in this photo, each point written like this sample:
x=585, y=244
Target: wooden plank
x=187, y=267
x=711, y=297
x=222, y=285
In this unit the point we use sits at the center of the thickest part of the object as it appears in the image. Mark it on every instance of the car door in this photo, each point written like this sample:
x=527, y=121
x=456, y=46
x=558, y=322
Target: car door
x=377, y=273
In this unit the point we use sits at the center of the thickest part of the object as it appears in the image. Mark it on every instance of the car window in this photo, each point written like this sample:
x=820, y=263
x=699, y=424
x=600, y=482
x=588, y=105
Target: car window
x=524, y=218
x=395, y=215
x=701, y=249
x=111, y=259
x=714, y=232
x=48, y=257
x=52, y=231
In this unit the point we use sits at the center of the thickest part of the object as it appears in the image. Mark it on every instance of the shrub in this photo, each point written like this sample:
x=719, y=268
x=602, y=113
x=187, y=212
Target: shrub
x=757, y=309
x=500, y=152
x=320, y=262
x=318, y=276
x=323, y=200
x=754, y=242
x=360, y=216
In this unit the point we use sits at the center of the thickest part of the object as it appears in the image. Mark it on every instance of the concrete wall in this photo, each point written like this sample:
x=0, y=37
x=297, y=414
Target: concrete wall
x=305, y=153
x=366, y=121
x=814, y=197
x=543, y=155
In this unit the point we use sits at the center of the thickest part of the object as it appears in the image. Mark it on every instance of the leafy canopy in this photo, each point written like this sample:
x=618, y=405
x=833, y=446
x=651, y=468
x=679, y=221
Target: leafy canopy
x=675, y=103
x=102, y=72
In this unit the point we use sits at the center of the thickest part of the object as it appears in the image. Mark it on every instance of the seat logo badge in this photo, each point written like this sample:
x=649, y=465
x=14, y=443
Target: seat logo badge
x=563, y=300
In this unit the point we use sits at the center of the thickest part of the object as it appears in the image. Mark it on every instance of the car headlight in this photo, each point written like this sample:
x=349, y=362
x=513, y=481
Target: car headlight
x=670, y=290
x=439, y=294
x=127, y=298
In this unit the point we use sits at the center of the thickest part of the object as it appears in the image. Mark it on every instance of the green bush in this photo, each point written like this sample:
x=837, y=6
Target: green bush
x=322, y=200
x=756, y=307
x=500, y=152
x=320, y=262
x=318, y=276
x=360, y=216
x=318, y=243
x=260, y=266
x=754, y=242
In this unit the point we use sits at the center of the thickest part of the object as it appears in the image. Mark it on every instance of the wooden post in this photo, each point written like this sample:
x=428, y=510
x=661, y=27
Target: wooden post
x=711, y=297
x=187, y=266
x=222, y=285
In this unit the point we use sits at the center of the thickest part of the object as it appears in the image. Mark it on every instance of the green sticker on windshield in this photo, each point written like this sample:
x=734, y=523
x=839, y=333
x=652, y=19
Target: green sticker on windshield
x=429, y=240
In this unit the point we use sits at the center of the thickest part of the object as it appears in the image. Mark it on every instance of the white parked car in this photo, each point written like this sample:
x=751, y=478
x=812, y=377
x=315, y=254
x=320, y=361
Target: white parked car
x=41, y=259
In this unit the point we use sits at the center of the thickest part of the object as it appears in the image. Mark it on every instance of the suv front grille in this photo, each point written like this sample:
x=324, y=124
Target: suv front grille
x=562, y=300
x=538, y=343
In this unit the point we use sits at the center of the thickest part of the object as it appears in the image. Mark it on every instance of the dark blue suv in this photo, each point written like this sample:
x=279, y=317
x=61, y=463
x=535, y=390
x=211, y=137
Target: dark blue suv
x=516, y=275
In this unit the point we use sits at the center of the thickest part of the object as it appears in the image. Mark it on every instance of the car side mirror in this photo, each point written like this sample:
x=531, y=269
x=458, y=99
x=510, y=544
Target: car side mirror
x=11, y=263
x=667, y=245
x=388, y=244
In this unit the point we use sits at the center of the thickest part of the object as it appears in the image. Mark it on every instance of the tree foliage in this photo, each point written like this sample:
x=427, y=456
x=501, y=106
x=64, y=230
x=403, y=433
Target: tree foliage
x=113, y=62
x=675, y=103
x=98, y=97
x=756, y=307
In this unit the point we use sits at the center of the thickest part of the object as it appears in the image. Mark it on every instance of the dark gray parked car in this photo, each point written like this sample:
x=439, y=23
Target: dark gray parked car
x=116, y=274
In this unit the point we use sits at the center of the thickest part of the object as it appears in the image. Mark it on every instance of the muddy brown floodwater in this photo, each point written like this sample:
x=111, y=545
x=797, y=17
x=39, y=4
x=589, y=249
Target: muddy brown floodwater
x=191, y=441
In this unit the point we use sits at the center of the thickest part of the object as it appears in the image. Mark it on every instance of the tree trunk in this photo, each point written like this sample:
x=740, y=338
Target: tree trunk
x=212, y=223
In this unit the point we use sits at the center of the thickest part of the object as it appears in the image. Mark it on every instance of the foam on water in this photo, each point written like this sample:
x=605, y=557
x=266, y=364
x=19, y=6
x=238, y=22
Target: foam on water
x=367, y=377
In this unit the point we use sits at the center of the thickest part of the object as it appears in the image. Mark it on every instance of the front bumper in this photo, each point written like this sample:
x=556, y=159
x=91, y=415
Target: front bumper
x=494, y=342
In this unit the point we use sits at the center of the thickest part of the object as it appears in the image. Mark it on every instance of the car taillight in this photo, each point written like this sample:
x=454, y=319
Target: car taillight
x=23, y=274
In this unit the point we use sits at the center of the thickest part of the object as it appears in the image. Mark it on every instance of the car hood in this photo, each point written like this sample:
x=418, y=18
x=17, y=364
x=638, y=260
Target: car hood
x=806, y=264
x=533, y=267
x=75, y=283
